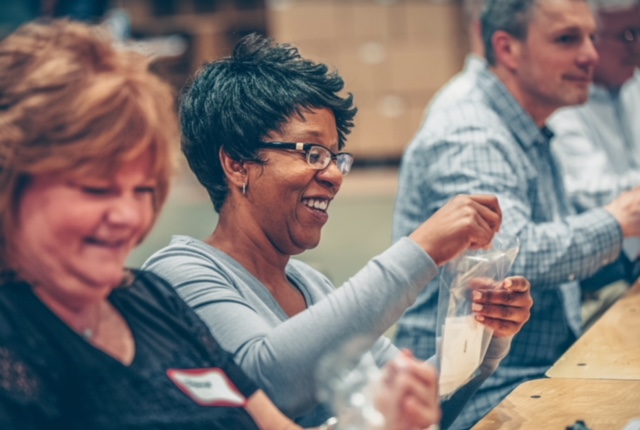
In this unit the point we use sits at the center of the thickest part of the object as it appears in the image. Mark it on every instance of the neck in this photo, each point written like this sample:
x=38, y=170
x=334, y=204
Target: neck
x=538, y=110
x=82, y=314
x=251, y=249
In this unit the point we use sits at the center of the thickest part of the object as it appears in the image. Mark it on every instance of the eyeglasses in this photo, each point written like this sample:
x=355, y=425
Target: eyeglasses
x=628, y=36
x=317, y=156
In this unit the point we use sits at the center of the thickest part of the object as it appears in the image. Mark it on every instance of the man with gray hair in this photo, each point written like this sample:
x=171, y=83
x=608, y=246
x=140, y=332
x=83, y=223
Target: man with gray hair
x=540, y=57
x=598, y=143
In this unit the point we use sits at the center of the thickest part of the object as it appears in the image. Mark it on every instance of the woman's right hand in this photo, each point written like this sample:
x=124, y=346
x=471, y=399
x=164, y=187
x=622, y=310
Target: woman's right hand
x=465, y=222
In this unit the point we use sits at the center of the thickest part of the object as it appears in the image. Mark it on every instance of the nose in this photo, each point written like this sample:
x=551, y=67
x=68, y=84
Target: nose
x=588, y=54
x=331, y=176
x=125, y=211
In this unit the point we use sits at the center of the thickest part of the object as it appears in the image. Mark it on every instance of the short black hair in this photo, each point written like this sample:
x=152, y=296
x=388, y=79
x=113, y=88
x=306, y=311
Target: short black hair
x=235, y=102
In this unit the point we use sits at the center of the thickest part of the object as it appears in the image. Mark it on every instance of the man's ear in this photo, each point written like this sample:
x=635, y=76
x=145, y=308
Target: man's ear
x=507, y=50
x=234, y=170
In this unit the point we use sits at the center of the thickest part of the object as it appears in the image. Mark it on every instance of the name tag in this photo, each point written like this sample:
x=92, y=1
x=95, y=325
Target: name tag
x=207, y=387
x=461, y=352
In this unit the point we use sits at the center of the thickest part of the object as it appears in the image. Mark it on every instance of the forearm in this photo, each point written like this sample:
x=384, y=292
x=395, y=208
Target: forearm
x=593, y=156
x=594, y=190
x=285, y=358
x=563, y=251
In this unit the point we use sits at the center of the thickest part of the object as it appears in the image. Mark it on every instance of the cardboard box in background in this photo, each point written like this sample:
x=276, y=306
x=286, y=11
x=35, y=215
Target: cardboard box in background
x=393, y=55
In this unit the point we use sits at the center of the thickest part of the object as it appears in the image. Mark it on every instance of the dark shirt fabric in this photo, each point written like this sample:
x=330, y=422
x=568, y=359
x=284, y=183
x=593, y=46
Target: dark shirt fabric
x=52, y=378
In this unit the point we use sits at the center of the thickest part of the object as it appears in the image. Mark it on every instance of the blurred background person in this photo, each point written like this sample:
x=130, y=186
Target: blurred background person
x=541, y=57
x=459, y=86
x=87, y=143
x=598, y=143
x=264, y=130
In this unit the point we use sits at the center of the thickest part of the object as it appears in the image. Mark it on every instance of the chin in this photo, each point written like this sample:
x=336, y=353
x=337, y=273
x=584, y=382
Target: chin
x=305, y=245
x=313, y=245
x=314, y=242
x=102, y=277
x=577, y=99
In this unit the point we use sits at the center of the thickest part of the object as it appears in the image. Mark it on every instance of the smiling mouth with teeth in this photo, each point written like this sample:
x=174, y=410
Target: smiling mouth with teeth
x=317, y=204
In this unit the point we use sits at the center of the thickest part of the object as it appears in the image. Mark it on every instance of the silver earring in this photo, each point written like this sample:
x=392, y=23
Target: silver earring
x=244, y=188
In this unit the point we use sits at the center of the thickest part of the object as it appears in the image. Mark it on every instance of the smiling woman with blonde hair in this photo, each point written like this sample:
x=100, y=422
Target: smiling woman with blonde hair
x=71, y=104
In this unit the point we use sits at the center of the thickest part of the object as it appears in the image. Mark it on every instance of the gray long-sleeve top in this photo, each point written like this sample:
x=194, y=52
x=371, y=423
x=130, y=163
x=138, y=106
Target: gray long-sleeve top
x=281, y=354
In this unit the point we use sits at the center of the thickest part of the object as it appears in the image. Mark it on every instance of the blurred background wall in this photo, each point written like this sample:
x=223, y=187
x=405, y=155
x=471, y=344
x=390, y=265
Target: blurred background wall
x=393, y=55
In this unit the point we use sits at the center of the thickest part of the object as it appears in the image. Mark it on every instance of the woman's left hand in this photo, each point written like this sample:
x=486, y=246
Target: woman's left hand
x=504, y=308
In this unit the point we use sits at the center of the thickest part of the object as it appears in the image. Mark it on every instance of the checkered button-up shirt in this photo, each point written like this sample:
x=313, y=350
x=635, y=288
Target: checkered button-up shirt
x=488, y=144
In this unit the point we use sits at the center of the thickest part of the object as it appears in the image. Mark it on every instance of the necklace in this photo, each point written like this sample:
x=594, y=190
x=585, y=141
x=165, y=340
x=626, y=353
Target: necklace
x=90, y=332
x=87, y=333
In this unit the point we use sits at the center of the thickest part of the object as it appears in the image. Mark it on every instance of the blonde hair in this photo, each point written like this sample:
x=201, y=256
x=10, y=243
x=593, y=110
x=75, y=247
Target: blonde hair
x=71, y=103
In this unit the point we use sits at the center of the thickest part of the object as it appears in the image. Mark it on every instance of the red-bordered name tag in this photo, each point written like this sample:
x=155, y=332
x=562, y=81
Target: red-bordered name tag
x=207, y=387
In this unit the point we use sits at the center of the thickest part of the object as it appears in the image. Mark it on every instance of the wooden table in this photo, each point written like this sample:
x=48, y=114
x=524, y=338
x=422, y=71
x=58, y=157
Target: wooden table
x=554, y=404
x=610, y=349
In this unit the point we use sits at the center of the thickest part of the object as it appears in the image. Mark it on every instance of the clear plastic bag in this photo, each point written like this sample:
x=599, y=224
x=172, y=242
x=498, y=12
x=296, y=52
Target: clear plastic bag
x=346, y=379
x=462, y=341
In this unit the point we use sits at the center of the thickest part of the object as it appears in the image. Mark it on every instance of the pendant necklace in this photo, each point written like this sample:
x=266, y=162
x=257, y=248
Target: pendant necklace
x=90, y=332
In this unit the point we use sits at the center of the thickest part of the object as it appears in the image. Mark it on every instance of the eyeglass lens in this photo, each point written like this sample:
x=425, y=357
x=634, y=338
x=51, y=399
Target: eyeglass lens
x=320, y=157
x=344, y=162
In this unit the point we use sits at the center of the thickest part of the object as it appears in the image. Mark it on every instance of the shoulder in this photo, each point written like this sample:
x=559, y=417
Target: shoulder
x=455, y=90
x=13, y=320
x=186, y=258
x=146, y=282
x=468, y=124
x=147, y=289
x=30, y=366
x=200, y=273
x=180, y=249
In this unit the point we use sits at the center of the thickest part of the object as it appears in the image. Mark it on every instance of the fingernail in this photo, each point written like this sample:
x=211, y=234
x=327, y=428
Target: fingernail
x=476, y=307
x=508, y=283
x=477, y=295
x=479, y=317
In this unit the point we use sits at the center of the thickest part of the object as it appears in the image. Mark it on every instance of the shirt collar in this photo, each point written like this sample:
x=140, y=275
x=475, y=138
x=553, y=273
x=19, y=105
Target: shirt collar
x=500, y=99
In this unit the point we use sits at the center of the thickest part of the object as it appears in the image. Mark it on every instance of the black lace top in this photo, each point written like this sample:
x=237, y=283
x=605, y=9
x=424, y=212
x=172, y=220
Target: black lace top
x=51, y=378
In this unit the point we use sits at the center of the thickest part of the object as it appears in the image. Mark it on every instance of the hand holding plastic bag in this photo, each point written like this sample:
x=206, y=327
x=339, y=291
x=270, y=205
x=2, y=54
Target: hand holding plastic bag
x=462, y=340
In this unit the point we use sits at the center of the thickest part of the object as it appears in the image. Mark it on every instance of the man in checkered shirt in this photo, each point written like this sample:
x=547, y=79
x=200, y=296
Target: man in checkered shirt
x=540, y=57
